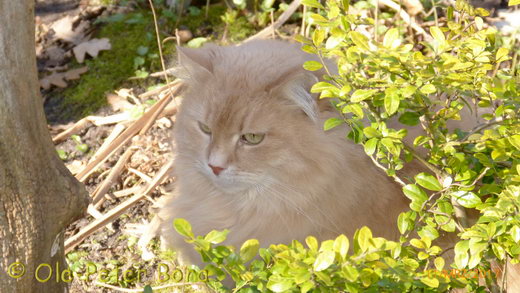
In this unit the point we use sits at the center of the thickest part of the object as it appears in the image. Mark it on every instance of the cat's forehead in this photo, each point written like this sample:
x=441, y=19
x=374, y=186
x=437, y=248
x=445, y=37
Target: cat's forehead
x=236, y=110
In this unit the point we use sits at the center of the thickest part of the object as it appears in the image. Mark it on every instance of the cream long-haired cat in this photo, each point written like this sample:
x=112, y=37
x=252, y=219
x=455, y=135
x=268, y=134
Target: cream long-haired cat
x=251, y=155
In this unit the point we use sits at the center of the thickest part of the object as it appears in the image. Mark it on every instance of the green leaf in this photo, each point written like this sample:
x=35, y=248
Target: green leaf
x=360, y=95
x=461, y=260
x=466, y=199
x=341, y=245
x=196, y=42
x=350, y=272
x=363, y=238
x=437, y=34
x=322, y=86
x=391, y=103
x=324, y=260
x=331, y=123
x=439, y=263
x=389, y=41
x=318, y=36
x=370, y=131
x=356, y=109
x=498, y=250
x=147, y=289
x=183, y=227
x=142, y=50
x=417, y=243
x=205, y=245
x=333, y=42
x=62, y=154
x=249, y=250
x=415, y=193
x=216, y=237
x=82, y=147
x=428, y=181
x=515, y=141
x=409, y=118
x=360, y=40
x=513, y=2
x=402, y=222
x=312, y=243
x=312, y=65
x=312, y=3
x=428, y=89
x=431, y=282
x=277, y=283
x=370, y=146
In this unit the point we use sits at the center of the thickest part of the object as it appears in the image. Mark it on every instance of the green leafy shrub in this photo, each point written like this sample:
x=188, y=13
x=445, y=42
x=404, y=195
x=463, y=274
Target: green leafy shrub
x=423, y=84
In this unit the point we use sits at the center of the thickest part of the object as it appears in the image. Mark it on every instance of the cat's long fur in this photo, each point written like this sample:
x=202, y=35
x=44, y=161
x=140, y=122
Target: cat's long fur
x=299, y=181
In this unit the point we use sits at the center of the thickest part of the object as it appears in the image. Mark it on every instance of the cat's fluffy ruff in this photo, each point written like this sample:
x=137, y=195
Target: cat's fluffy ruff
x=299, y=181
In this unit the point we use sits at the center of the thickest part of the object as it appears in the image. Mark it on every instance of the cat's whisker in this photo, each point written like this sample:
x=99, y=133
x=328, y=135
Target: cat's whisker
x=308, y=201
x=281, y=217
x=284, y=199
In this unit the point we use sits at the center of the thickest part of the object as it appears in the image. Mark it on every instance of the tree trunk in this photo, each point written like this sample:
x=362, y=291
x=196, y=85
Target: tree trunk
x=38, y=195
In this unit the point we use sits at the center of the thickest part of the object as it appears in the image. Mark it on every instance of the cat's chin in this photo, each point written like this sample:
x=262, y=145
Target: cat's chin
x=228, y=185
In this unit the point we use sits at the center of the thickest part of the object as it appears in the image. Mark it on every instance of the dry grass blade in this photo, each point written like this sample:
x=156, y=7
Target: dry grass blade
x=83, y=123
x=159, y=90
x=140, y=174
x=74, y=129
x=266, y=32
x=128, y=191
x=118, y=129
x=111, y=178
x=74, y=240
x=143, y=123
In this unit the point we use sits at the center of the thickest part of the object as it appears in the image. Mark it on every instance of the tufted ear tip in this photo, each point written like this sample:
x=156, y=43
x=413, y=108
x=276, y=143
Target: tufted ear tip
x=297, y=88
x=198, y=62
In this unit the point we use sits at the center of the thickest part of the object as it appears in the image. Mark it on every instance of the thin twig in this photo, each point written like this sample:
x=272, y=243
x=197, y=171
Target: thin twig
x=120, y=141
x=158, y=37
x=395, y=177
x=111, y=178
x=88, y=230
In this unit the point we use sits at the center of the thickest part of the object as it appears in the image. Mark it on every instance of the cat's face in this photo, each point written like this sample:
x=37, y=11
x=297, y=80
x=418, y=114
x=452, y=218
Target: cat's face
x=237, y=141
x=239, y=137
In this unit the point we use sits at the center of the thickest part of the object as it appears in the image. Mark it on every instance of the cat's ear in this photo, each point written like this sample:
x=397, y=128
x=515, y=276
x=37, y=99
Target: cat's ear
x=297, y=88
x=197, y=62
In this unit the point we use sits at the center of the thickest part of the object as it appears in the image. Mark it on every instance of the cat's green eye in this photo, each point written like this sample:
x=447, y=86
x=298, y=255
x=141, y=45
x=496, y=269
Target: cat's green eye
x=252, y=138
x=204, y=128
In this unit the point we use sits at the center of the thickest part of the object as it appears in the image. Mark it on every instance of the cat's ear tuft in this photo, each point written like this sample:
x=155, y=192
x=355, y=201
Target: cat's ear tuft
x=197, y=62
x=297, y=89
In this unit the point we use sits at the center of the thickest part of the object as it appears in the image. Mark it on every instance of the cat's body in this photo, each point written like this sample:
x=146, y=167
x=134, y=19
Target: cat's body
x=298, y=181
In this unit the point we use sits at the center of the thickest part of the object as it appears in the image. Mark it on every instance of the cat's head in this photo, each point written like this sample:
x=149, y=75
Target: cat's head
x=248, y=116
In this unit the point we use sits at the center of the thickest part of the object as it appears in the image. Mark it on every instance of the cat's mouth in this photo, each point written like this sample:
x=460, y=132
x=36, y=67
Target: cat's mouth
x=230, y=181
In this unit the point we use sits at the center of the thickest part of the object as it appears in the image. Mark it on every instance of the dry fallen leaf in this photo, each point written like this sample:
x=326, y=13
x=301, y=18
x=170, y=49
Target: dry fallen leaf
x=54, y=79
x=118, y=102
x=75, y=73
x=63, y=29
x=58, y=78
x=91, y=47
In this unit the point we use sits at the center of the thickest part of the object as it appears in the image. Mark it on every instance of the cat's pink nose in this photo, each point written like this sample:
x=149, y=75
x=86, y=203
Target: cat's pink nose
x=216, y=170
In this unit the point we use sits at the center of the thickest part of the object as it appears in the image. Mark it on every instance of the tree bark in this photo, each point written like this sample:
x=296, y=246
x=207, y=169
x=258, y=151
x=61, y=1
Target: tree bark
x=38, y=195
